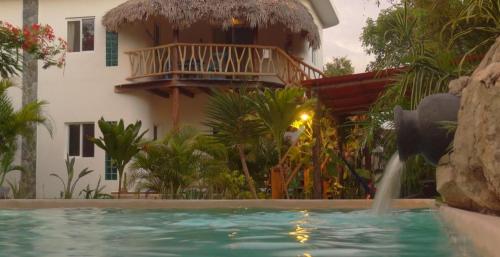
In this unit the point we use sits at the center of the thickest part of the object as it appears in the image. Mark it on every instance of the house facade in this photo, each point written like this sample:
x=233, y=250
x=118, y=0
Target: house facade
x=134, y=60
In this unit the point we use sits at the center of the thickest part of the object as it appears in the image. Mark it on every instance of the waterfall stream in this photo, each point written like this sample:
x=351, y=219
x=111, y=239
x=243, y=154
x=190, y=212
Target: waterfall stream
x=390, y=186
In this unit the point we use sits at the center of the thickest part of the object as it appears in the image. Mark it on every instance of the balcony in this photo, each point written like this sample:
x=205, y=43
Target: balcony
x=218, y=62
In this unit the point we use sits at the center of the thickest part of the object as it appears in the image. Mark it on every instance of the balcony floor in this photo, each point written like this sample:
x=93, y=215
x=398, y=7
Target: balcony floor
x=192, y=86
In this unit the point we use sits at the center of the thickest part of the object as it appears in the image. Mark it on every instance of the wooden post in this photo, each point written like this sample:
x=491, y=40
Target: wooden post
x=316, y=154
x=175, y=108
x=276, y=183
x=175, y=90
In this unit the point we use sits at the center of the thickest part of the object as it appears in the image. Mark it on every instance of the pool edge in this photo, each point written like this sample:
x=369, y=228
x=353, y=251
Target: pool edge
x=212, y=204
x=483, y=231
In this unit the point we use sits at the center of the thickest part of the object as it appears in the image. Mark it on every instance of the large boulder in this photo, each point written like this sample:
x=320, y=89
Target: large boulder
x=473, y=170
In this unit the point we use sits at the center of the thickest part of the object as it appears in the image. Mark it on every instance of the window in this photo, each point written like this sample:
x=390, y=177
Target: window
x=111, y=49
x=79, y=144
x=81, y=34
x=110, y=171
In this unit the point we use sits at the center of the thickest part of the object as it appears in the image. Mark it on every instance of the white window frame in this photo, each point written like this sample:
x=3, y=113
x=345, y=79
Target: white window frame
x=80, y=19
x=68, y=124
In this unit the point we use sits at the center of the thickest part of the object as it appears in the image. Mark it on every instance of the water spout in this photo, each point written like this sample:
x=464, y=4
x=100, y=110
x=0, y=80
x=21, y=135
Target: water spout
x=390, y=186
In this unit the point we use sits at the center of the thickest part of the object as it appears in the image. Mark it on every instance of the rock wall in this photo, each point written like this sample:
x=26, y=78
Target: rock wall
x=469, y=177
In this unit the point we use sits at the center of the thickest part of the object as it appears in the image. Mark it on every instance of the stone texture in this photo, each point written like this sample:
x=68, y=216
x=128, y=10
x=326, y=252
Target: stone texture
x=457, y=86
x=446, y=184
x=473, y=170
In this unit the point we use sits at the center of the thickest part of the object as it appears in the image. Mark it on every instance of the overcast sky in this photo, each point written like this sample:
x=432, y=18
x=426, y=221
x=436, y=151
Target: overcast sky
x=343, y=39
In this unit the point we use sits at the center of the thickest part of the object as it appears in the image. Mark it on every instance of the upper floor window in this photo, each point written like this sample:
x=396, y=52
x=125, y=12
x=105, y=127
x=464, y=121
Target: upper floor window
x=81, y=34
x=79, y=135
x=111, y=48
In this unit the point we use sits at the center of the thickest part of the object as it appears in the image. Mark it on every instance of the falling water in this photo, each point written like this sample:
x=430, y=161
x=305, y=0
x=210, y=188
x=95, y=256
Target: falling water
x=390, y=186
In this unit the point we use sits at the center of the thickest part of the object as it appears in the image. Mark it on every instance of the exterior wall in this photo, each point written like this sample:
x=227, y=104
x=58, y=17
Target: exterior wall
x=12, y=11
x=318, y=54
x=84, y=90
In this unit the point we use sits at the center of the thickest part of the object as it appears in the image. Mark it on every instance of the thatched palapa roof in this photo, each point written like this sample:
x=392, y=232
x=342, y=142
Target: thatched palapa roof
x=184, y=13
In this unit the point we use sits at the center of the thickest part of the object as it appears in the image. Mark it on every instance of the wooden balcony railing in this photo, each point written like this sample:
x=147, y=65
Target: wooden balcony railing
x=219, y=60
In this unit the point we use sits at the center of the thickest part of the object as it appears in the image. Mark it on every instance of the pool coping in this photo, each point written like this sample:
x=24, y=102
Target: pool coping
x=212, y=204
x=483, y=231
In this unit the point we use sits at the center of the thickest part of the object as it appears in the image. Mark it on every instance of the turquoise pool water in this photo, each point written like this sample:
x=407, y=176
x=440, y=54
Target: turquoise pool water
x=242, y=233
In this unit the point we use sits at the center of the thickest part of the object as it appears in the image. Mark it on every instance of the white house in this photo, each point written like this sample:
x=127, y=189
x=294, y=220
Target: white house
x=156, y=61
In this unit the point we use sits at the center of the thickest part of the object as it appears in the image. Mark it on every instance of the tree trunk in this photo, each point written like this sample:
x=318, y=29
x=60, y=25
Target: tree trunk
x=120, y=184
x=30, y=88
x=251, y=185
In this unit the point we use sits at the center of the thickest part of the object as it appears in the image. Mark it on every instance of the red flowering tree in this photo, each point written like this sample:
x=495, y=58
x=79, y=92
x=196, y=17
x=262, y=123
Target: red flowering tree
x=37, y=40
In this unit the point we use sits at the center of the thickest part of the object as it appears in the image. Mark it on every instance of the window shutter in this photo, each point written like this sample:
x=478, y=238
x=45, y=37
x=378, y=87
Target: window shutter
x=88, y=146
x=74, y=140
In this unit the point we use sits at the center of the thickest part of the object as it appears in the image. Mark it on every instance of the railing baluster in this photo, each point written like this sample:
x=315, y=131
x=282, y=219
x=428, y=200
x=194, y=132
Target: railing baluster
x=223, y=59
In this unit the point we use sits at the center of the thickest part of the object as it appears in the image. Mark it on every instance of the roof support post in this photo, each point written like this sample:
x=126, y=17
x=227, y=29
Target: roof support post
x=339, y=122
x=316, y=154
x=175, y=90
x=175, y=108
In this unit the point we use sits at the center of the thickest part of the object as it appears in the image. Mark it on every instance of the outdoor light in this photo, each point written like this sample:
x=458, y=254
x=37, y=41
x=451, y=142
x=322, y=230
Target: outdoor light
x=305, y=117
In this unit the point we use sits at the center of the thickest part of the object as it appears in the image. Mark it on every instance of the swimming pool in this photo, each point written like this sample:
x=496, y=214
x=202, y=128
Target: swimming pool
x=220, y=233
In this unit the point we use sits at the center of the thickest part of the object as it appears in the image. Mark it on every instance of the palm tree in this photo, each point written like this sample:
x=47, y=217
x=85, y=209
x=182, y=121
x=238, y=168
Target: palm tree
x=120, y=143
x=14, y=124
x=277, y=110
x=17, y=123
x=7, y=167
x=229, y=116
x=181, y=158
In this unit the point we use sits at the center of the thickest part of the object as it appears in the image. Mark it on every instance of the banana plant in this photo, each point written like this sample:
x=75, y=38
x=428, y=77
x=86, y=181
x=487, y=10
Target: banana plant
x=121, y=143
x=69, y=185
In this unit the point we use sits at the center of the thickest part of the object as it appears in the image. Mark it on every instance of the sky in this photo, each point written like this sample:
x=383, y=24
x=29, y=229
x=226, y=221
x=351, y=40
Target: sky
x=343, y=39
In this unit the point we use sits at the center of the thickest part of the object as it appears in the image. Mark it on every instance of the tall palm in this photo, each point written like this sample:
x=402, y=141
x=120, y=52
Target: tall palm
x=120, y=143
x=229, y=116
x=277, y=110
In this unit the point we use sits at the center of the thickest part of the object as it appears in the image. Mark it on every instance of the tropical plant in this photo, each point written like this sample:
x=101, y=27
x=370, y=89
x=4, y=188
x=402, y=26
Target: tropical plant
x=476, y=17
x=70, y=185
x=277, y=110
x=6, y=166
x=180, y=159
x=17, y=123
x=95, y=193
x=229, y=116
x=228, y=184
x=338, y=66
x=120, y=143
x=17, y=192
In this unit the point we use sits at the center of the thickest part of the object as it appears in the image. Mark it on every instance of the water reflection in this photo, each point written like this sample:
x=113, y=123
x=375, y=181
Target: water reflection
x=246, y=233
x=301, y=233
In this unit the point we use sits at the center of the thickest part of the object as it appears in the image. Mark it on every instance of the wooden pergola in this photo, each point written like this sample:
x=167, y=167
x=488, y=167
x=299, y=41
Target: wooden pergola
x=345, y=96
x=351, y=94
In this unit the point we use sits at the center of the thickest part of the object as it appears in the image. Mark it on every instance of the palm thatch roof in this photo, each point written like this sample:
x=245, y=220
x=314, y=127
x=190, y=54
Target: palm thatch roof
x=184, y=13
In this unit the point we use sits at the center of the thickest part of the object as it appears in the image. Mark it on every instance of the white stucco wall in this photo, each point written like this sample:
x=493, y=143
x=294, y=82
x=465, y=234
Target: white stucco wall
x=84, y=90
